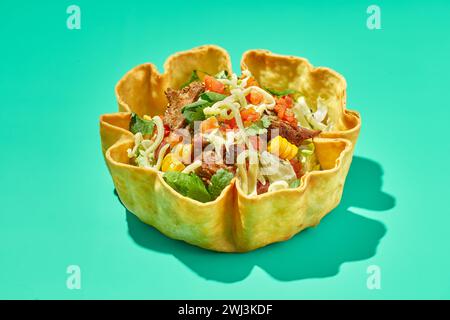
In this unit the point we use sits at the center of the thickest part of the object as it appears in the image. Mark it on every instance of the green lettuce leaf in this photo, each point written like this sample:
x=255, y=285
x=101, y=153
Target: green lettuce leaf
x=194, y=111
x=281, y=93
x=189, y=185
x=295, y=184
x=212, y=97
x=141, y=125
x=219, y=181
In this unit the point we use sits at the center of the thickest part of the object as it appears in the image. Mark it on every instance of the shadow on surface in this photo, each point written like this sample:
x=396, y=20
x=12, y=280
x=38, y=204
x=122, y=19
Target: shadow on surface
x=318, y=252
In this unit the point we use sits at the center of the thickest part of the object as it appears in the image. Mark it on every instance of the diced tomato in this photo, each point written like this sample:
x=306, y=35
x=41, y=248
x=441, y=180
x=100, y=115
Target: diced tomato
x=212, y=84
x=289, y=101
x=209, y=124
x=230, y=124
x=249, y=115
x=224, y=127
x=285, y=101
x=290, y=117
x=254, y=97
x=297, y=166
x=283, y=109
x=166, y=130
x=293, y=122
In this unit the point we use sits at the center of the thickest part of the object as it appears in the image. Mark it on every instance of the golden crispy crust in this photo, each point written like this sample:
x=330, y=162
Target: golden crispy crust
x=234, y=222
x=141, y=90
x=282, y=72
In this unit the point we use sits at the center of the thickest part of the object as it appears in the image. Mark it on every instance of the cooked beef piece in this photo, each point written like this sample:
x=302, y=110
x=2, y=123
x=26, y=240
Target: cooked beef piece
x=293, y=134
x=262, y=188
x=210, y=165
x=177, y=100
x=297, y=166
x=228, y=156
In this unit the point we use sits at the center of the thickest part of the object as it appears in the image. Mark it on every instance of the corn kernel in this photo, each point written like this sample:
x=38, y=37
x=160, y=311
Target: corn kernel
x=171, y=163
x=282, y=148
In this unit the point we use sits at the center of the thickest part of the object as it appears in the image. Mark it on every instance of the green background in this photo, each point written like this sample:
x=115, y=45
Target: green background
x=58, y=205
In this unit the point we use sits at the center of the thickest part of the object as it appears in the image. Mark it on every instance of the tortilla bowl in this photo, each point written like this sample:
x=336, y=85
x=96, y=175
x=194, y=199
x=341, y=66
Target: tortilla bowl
x=234, y=222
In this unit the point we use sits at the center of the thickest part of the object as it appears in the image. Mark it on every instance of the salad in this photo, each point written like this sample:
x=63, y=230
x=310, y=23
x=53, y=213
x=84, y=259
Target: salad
x=223, y=128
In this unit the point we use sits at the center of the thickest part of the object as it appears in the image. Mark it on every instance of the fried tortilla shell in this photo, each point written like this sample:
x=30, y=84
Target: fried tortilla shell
x=141, y=90
x=234, y=222
x=281, y=72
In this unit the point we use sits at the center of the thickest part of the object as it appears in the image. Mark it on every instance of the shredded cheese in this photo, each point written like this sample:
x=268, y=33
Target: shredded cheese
x=161, y=154
x=278, y=185
x=137, y=142
x=248, y=178
x=159, y=134
x=192, y=167
x=143, y=149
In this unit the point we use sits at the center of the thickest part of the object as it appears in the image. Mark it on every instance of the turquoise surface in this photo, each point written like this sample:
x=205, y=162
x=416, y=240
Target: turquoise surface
x=58, y=206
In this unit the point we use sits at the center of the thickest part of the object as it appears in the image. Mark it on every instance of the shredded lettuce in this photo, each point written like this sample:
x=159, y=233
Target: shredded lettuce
x=137, y=142
x=144, y=161
x=259, y=127
x=313, y=120
x=254, y=130
x=321, y=111
x=276, y=169
x=303, y=112
x=307, y=156
x=298, y=112
x=307, y=148
x=310, y=162
x=222, y=75
x=265, y=121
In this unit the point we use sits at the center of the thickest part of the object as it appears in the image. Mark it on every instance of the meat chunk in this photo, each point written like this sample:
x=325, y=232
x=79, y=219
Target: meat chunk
x=177, y=100
x=206, y=171
x=262, y=188
x=295, y=135
x=202, y=147
x=211, y=163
